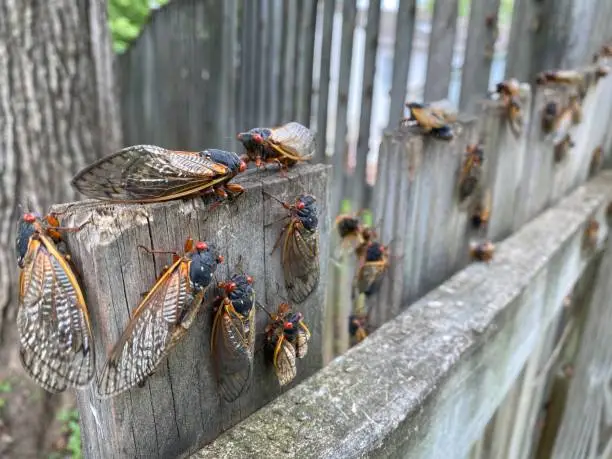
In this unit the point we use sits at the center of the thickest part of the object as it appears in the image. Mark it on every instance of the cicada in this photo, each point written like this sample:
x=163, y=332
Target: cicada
x=591, y=234
x=300, y=247
x=57, y=348
x=482, y=213
x=372, y=267
x=147, y=173
x=432, y=121
x=358, y=328
x=285, y=145
x=161, y=319
x=596, y=160
x=352, y=232
x=562, y=144
x=471, y=171
x=509, y=94
x=233, y=336
x=287, y=338
x=482, y=251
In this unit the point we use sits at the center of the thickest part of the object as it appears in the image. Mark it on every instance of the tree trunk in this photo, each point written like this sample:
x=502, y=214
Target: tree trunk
x=57, y=113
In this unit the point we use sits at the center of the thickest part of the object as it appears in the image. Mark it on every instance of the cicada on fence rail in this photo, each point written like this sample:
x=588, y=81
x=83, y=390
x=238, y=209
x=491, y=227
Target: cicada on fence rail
x=299, y=241
x=471, y=171
x=233, y=336
x=161, y=319
x=56, y=342
x=147, y=173
x=358, y=328
x=482, y=212
x=482, y=251
x=285, y=145
x=509, y=94
x=287, y=338
x=432, y=121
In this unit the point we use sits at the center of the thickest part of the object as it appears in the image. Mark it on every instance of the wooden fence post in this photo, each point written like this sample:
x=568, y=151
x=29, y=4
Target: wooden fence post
x=179, y=409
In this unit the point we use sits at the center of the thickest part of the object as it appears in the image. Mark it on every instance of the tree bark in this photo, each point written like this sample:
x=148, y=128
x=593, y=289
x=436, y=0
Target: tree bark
x=57, y=113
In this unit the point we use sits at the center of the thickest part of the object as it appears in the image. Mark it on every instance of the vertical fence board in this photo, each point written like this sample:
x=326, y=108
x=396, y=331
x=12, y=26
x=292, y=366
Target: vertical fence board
x=340, y=154
x=479, y=52
x=404, y=32
x=329, y=7
x=289, y=73
x=441, y=47
x=362, y=191
x=264, y=61
x=520, y=44
x=227, y=96
x=308, y=17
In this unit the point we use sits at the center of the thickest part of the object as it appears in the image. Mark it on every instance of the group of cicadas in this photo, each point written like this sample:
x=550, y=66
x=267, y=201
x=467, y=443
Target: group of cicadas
x=372, y=263
x=56, y=337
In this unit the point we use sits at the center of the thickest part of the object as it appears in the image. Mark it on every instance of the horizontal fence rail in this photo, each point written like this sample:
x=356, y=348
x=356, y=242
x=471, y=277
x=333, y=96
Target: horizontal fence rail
x=179, y=408
x=441, y=368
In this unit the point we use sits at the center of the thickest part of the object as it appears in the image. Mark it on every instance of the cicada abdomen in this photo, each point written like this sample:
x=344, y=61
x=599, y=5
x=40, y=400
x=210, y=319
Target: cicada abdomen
x=287, y=338
x=285, y=145
x=233, y=336
x=147, y=173
x=300, y=248
x=56, y=342
x=358, y=328
x=161, y=319
x=509, y=94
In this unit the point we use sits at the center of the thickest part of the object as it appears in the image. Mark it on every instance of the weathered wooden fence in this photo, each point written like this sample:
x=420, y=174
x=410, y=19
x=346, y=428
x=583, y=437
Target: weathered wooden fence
x=481, y=348
x=179, y=408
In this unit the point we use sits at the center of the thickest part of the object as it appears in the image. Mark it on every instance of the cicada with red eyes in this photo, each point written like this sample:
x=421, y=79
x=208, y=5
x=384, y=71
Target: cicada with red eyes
x=432, y=121
x=161, y=319
x=147, y=173
x=509, y=94
x=372, y=267
x=285, y=145
x=287, y=338
x=233, y=336
x=471, y=171
x=300, y=247
x=56, y=342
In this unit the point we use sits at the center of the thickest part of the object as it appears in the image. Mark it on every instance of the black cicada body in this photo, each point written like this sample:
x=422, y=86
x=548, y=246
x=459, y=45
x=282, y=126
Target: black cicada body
x=432, y=121
x=161, y=319
x=287, y=338
x=233, y=336
x=147, y=173
x=471, y=171
x=372, y=268
x=300, y=248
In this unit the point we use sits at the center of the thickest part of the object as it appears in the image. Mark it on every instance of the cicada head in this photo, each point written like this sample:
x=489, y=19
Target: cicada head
x=443, y=133
x=375, y=251
x=482, y=251
x=347, y=225
x=204, y=261
x=227, y=158
x=27, y=226
x=239, y=291
x=254, y=138
x=509, y=87
x=306, y=211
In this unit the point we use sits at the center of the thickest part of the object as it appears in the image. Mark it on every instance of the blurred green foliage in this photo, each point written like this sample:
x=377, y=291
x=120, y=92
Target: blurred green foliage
x=505, y=9
x=126, y=19
x=70, y=420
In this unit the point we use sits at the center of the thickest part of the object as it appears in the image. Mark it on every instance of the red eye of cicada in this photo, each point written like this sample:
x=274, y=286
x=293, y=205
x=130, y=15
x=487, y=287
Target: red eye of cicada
x=201, y=246
x=29, y=218
x=257, y=138
x=230, y=287
x=249, y=280
x=288, y=325
x=243, y=166
x=220, y=259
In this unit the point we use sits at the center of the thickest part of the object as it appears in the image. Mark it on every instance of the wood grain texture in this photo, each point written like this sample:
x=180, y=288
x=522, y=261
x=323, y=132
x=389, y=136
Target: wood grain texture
x=441, y=48
x=479, y=51
x=178, y=409
x=58, y=111
x=361, y=191
x=329, y=9
x=451, y=358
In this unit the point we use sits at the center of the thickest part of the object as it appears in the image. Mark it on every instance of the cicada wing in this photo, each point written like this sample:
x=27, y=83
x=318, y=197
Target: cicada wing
x=429, y=118
x=57, y=348
x=233, y=346
x=293, y=141
x=300, y=260
x=147, y=173
x=301, y=341
x=369, y=276
x=284, y=361
x=157, y=324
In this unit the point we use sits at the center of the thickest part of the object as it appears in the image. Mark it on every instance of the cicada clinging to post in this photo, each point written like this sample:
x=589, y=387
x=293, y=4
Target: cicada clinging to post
x=432, y=121
x=56, y=342
x=161, y=319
